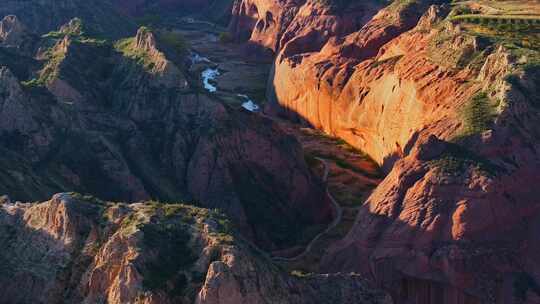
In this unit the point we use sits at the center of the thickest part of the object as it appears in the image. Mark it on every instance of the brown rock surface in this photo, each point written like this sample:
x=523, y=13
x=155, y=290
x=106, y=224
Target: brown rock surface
x=43, y=16
x=75, y=249
x=454, y=220
x=134, y=130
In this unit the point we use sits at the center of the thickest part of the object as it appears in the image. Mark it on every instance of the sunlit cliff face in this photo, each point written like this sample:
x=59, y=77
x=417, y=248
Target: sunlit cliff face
x=438, y=106
x=443, y=97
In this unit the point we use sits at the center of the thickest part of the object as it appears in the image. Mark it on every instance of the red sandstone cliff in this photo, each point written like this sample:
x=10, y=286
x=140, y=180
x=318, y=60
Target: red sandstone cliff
x=453, y=118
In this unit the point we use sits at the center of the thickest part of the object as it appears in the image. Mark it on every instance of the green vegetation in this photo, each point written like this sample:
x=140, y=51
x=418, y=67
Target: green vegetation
x=56, y=53
x=521, y=36
x=442, y=50
x=87, y=198
x=165, y=272
x=168, y=244
x=129, y=49
x=225, y=37
x=477, y=115
x=55, y=56
x=77, y=31
x=515, y=26
x=174, y=40
x=529, y=21
x=457, y=160
x=34, y=82
x=169, y=39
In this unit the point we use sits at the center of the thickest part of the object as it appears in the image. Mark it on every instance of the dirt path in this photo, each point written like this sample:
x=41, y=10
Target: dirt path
x=339, y=214
x=349, y=174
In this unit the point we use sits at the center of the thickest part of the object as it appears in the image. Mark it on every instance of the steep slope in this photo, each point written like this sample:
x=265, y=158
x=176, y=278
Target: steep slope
x=75, y=249
x=44, y=16
x=218, y=11
x=448, y=107
x=332, y=97
x=123, y=124
x=270, y=25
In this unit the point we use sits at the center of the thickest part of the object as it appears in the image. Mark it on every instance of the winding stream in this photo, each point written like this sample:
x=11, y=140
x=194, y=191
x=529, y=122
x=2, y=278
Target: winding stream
x=249, y=104
x=209, y=76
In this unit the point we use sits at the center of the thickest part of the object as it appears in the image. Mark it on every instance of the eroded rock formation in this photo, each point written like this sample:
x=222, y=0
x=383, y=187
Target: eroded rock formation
x=452, y=117
x=123, y=124
x=75, y=249
x=41, y=17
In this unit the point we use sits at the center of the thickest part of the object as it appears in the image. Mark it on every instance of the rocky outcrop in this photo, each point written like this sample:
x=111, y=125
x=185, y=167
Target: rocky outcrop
x=15, y=37
x=167, y=72
x=43, y=16
x=75, y=249
x=133, y=131
x=12, y=32
x=271, y=25
x=452, y=119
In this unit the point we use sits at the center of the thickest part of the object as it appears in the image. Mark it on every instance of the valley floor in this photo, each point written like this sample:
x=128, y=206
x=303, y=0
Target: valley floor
x=349, y=174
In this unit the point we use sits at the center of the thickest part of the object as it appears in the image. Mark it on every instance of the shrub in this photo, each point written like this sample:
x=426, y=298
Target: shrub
x=225, y=37
x=174, y=255
x=174, y=40
x=477, y=115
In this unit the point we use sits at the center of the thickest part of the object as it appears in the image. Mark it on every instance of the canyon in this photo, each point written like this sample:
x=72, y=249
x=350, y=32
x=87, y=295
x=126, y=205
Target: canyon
x=302, y=151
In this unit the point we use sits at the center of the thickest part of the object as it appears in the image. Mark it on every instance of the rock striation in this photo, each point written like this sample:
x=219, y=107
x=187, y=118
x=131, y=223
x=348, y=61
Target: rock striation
x=123, y=124
x=450, y=116
x=43, y=16
x=78, y=249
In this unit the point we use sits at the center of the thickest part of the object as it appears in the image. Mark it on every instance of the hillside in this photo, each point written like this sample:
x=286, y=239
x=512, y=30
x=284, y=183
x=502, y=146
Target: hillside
x=325, y=151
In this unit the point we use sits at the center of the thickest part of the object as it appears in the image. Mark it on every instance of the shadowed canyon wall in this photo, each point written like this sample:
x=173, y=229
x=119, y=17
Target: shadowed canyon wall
x=137, y=130
x=450, y=116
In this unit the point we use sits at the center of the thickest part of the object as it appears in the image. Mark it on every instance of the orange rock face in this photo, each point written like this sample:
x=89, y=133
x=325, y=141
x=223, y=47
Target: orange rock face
x=455, y=217
x=75, y=249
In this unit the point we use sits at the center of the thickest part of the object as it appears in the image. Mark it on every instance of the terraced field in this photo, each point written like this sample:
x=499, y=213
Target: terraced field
x=505, y=7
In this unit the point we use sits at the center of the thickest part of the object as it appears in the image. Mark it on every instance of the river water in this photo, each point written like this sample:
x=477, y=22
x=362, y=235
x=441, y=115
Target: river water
x=209, y=76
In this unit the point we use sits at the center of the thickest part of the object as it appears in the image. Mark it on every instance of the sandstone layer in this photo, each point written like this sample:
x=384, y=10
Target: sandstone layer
x=452, y=116
x=75, y=249
x=124, y=124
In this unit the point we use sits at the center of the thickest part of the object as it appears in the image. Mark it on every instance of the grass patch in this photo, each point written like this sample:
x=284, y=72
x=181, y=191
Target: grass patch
x=168, y=244
x=176, y=41
x=477, y=116
x=165, y=272
x=456, y=160
x=442, y=50
x=225, y=37
x=128, y=48
x=56, y=54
